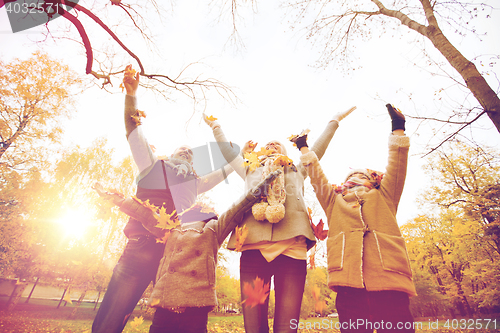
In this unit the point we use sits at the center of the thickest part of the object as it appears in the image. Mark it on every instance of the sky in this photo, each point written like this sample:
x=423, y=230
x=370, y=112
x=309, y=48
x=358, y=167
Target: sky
x=279, y=90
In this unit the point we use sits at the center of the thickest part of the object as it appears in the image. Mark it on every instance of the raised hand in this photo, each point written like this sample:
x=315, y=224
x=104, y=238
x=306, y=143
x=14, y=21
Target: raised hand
x=397, y=117
x=341, y=115
x=212, y=123
x=249, y=147
x=131, y=80
x=300, y=141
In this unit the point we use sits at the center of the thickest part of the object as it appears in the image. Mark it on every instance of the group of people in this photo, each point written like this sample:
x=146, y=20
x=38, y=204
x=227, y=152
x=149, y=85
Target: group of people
x=368, y=265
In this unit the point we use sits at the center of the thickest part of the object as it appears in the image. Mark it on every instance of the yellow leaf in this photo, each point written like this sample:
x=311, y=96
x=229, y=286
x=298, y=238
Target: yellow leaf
x=241, y=235
x=251, y=161
x=154, y=302
x=136, y=322
x=165, y=220
x=67, y=297
x=211, y=118
x=264, y=152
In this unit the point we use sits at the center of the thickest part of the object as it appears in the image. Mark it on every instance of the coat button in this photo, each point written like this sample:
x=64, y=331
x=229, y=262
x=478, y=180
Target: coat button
x=193, y=273
x=179, y=249
x=198, y=253
x=171, y=270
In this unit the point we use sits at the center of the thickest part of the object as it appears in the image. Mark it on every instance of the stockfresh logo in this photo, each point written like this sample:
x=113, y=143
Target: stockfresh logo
x=26, y=14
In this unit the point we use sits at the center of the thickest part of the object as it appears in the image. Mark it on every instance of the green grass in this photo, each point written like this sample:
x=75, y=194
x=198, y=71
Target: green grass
x=42, y=316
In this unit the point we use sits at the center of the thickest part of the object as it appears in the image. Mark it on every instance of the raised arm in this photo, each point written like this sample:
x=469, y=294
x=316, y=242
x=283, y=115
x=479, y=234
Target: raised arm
x=232, y=156
x=309, y=160
x=139, y=146
x=319, y=147
x=210, y=180
x=394, y=178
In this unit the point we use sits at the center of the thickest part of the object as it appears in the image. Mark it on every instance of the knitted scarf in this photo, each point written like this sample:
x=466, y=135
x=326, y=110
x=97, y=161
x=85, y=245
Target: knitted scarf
x=354, y=184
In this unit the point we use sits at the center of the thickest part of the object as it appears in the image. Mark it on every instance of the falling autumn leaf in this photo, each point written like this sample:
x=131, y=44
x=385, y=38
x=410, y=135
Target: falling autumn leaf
x=312, y=262
x=251, y=161
x=318, y=230
x=211, y=118
x=129, y=71
x=257, y=294
x=137, y=116
x=136, y=322
x=165, y=220
x=241, y=235
x=67, y=297
x=320, y=304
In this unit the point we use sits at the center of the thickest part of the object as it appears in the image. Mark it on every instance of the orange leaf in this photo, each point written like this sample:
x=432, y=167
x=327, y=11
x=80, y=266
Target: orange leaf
x=283, y=160
x=211, y=118
x=257, y=294
x=163, y=240
x=241, y=235
x=320, y=306
x=309, y=213
x=312, y=263
x=318, y=230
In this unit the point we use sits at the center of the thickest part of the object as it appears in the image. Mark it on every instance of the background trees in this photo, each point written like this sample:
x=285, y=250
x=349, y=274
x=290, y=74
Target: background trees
x=454, y=243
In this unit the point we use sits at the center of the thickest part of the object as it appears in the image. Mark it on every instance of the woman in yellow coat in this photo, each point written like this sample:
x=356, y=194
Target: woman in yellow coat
x=368, y=264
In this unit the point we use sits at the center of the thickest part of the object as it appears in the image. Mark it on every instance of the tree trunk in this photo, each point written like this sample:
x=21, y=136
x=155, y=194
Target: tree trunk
x=16, y=295
x=62, y=298
x=32, y=289
x=97, y=301
x=80, y=300
x=474, y=80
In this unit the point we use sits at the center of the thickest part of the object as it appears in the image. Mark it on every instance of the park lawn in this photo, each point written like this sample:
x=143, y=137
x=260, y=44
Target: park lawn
x=44, y=317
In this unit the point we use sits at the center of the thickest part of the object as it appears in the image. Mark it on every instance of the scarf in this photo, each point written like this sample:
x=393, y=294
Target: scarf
x=183, y=168
x=355, y=184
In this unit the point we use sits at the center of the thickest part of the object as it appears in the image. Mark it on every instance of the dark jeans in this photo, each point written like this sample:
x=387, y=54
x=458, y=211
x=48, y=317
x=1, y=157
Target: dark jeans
x=363, y=311
x=289, y=279
x=193, y=320
x=131, y=276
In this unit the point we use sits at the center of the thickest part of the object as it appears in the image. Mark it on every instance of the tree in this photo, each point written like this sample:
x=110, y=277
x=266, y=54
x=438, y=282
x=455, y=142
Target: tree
x=455, y=240
x=128, y=18
x=35, y=95
x=335, y=28
x=467, y=178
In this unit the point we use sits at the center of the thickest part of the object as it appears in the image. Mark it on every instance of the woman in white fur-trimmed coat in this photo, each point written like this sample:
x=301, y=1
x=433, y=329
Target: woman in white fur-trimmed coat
x=368, y=264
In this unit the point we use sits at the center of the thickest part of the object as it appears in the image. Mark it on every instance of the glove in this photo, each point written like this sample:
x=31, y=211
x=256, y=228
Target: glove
x=398, y=119
x=300, y=140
